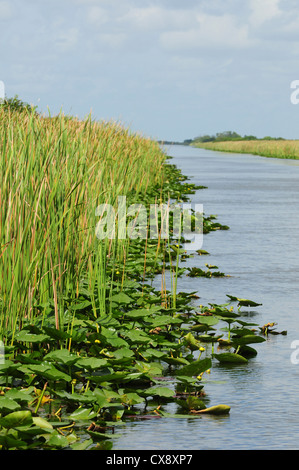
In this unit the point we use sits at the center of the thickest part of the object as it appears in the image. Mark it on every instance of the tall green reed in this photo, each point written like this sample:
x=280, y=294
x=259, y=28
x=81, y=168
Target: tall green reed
x=54, y=172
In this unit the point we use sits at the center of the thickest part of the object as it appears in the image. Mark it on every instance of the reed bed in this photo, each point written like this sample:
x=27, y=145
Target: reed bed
x=265, y=148
x=54, y=172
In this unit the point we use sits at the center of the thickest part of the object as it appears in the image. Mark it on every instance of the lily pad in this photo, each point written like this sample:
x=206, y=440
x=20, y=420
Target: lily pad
x=195, y=368
x=214, y=410
x=231, y=358
x=17, y=418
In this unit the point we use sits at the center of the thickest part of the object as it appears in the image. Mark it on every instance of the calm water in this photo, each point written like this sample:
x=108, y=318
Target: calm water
x=259, y=199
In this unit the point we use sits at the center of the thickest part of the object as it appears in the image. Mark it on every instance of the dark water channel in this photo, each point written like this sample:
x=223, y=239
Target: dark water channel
x=258, y=198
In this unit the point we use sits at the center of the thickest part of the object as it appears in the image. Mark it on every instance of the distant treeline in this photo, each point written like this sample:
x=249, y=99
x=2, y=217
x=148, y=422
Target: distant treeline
x=218, y=137
x=227, y=135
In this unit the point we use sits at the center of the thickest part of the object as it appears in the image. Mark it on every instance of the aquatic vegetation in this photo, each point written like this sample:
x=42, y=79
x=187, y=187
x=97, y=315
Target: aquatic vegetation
x=89, y=343
x=198, y=272
x=265, y=148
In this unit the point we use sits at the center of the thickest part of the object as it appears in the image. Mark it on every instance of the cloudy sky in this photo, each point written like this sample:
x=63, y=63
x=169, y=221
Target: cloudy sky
x=168, y=69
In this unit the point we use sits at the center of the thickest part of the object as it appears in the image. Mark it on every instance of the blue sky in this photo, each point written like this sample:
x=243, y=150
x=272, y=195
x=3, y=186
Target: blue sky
x=167, y=69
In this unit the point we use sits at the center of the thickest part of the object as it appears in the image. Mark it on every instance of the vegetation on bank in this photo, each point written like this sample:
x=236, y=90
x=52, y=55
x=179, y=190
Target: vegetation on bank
x=229, y=141
x=266, y=148
x=88, y=341
x=228, y=136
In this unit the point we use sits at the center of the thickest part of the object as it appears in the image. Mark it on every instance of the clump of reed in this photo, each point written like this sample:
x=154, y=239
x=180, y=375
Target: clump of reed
x=265, y=148
x=54, y=172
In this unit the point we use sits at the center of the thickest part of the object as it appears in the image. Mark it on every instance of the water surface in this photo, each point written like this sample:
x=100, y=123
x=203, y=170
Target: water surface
x=258, y=198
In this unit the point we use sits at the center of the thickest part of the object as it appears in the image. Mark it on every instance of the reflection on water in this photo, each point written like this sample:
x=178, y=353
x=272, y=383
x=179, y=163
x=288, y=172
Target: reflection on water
x=258, y=198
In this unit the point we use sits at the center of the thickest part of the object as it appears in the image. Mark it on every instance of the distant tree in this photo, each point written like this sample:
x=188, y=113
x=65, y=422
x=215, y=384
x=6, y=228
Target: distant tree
x=227, y=135
x=204, y=138
x=250, y=137
x=15, y=104
x=272, y=138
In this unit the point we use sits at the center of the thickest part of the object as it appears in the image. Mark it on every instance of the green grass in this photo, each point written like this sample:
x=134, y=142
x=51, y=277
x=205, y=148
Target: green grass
x=54, y=173
x=265, y=148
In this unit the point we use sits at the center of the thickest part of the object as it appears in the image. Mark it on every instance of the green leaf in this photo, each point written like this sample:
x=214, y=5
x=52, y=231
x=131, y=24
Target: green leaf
x=208, y=320
x=137, y=336
x=25, y=336
x=191, y=403
x=9, y=367
x=56, y=334
x=195, y=368
x=41, y=422
x=176, y=361
x=232, y=358
x=163, y=392
x=17, y=418
x=8, y=404
x=57, y=440
x=192, y=343
x=247, y=303
x=209, y=338
x=151, y=353
x=11, y=442
x=99, y=436
x=244, y=302
x=76, y=397
x=248, y=339
x=111, y=338
x=18, y=395
x=61, y=355
x=232, y=298
x=81, y=305
x=215, y=410
x=123, y=353
x=247, y=351
x=48, y=371
x=132, y=399
x=121, y=298
x=142, y=312
x=82, y=445
x=92, y=363
x=162, y=320
x=114, y=377
x=83, y=414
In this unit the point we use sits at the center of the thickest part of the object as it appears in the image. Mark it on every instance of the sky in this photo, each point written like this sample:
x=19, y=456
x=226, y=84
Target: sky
x=166, y=69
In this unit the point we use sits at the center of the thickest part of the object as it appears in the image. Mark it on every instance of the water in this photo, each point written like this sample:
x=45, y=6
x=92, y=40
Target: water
x=258, y=198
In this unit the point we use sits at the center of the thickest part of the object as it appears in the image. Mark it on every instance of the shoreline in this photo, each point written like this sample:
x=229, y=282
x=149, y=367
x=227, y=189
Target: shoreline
x=285, y=149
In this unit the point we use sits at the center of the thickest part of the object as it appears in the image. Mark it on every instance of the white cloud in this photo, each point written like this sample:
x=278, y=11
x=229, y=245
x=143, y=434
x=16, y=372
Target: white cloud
x=112, y=40
x=211, y=32
x=5, y=10
x=262, y=11
x=66, y=40
x=157, y=18
x=97, y=15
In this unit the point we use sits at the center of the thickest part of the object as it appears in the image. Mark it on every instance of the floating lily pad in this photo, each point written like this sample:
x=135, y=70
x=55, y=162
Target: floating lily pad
x=195, y=368
x=231, y=358
x=214, y=410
